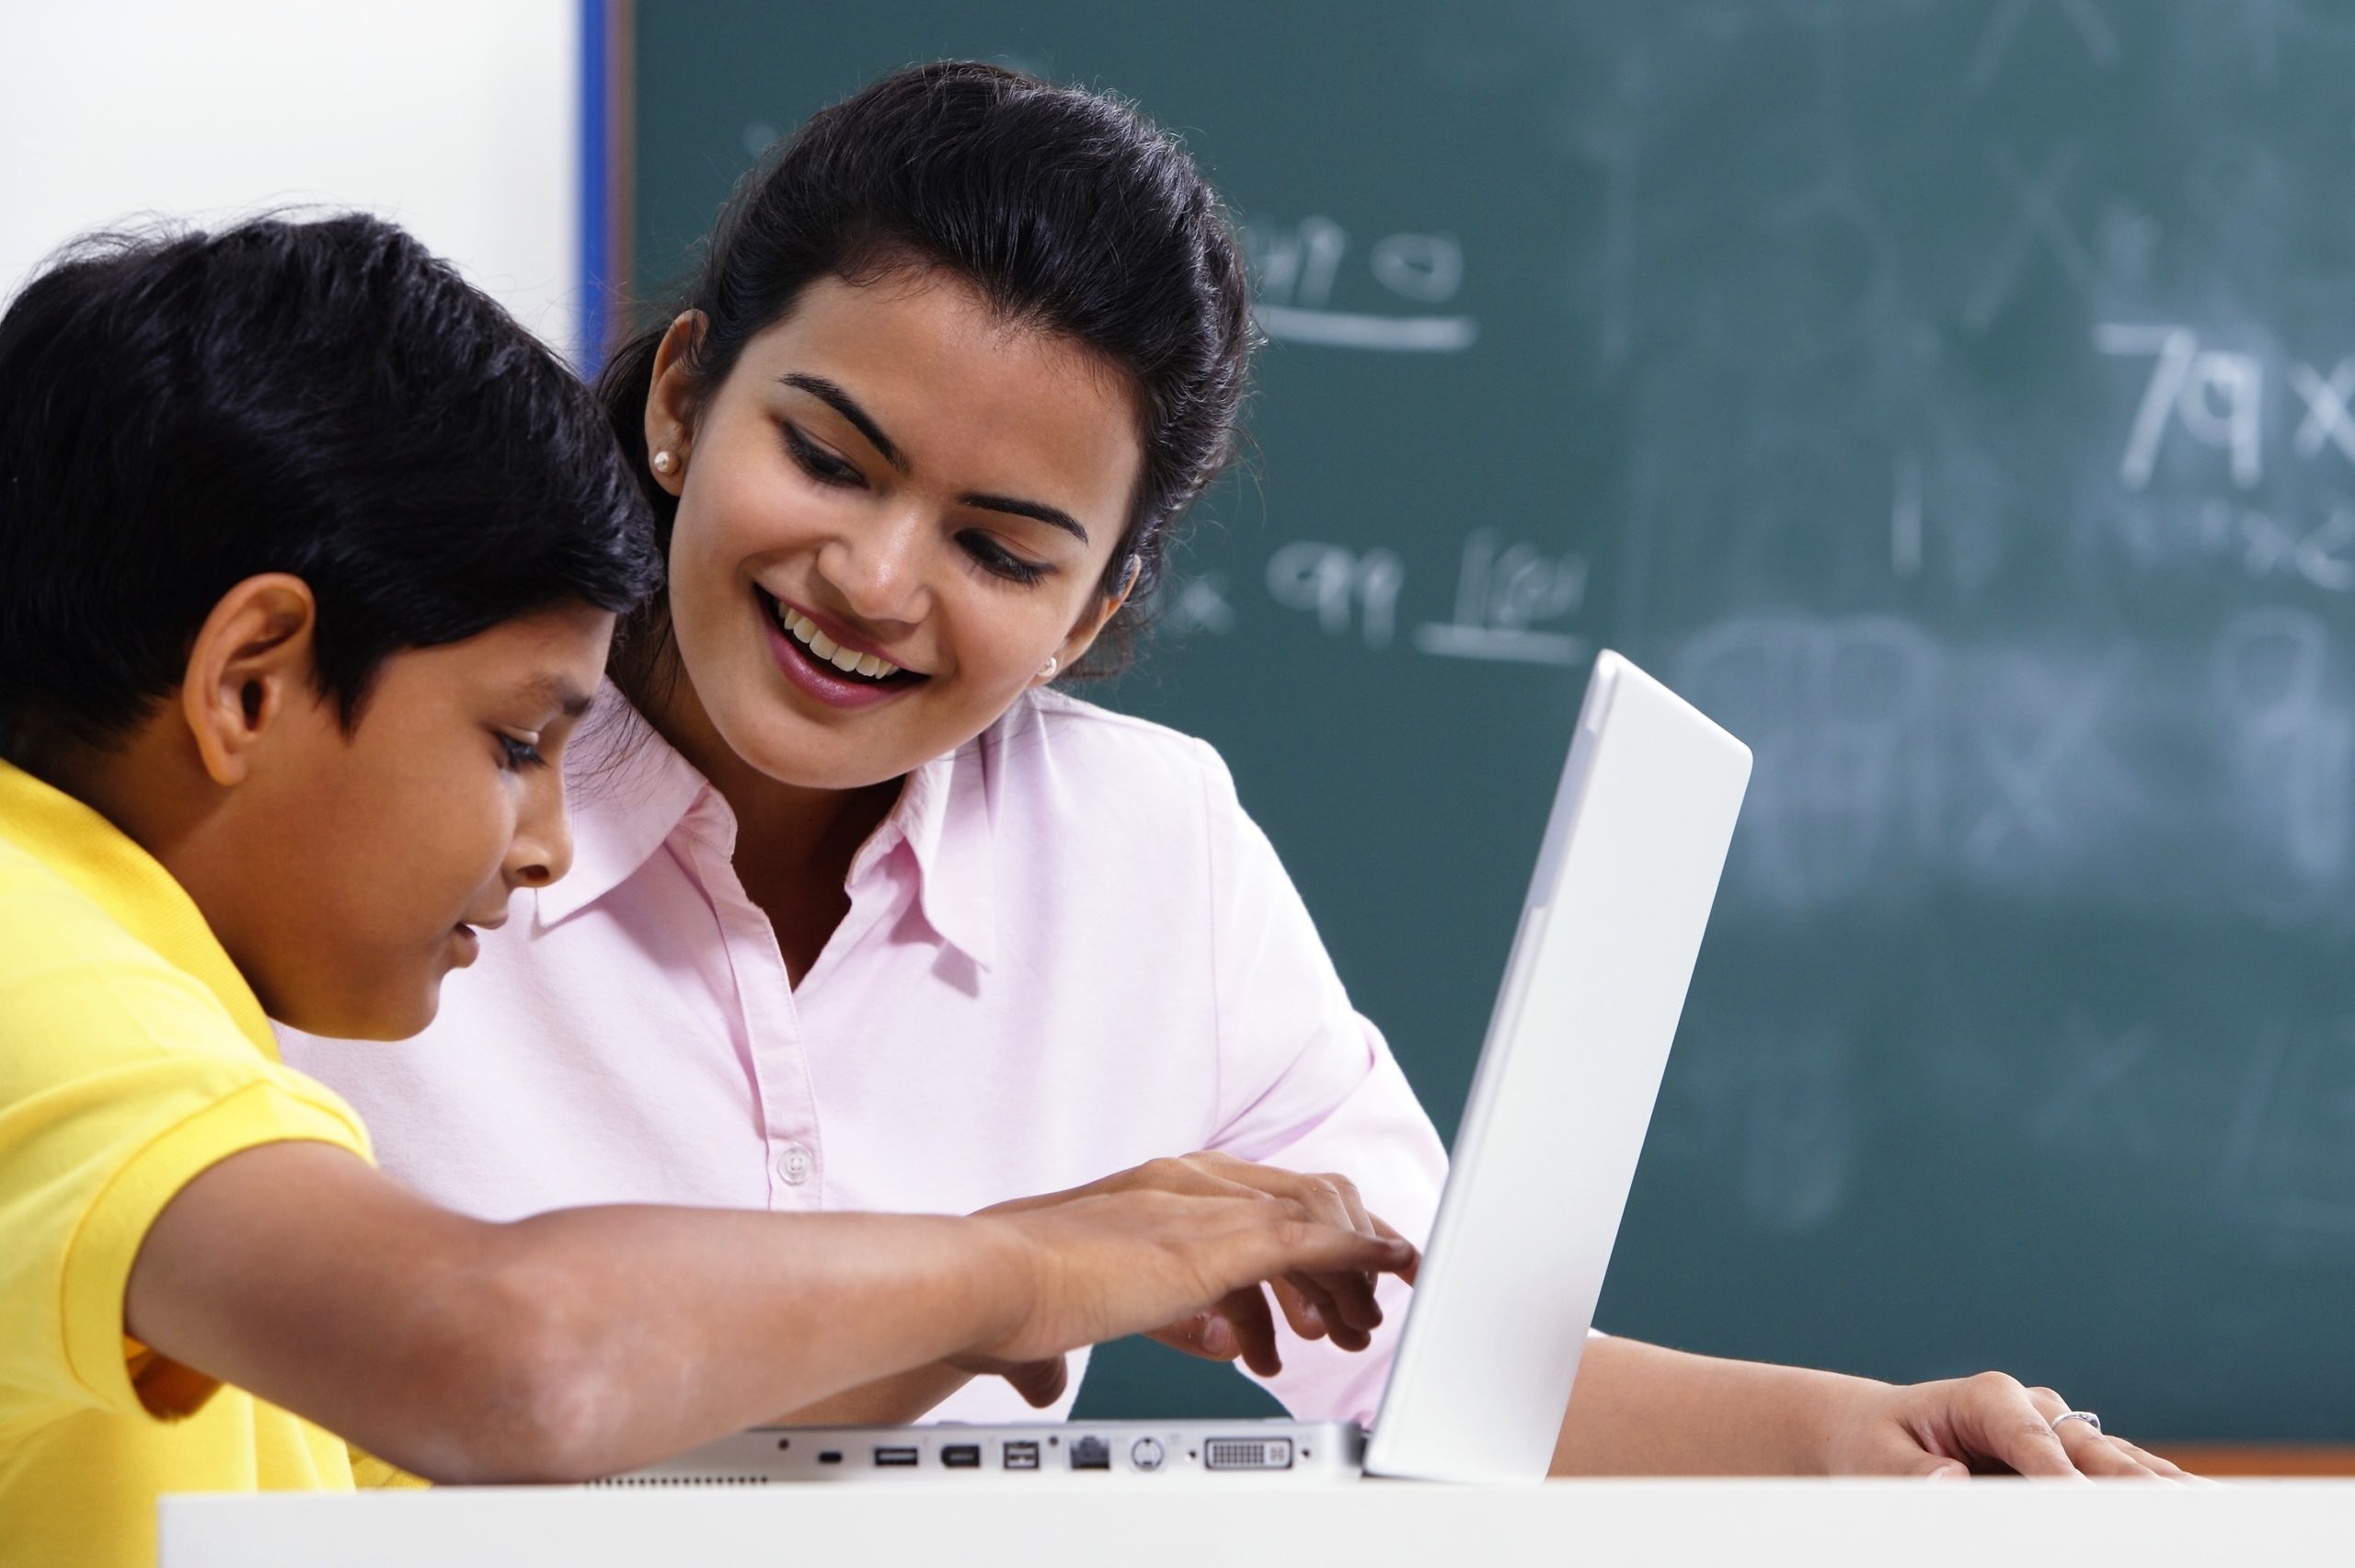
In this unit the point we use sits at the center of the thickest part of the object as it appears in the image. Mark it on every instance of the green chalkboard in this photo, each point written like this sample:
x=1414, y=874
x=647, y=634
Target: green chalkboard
x=1952, y=397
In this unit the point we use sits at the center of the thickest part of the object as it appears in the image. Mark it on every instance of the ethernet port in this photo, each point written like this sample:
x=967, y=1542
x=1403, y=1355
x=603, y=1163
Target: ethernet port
x=1090, y=1453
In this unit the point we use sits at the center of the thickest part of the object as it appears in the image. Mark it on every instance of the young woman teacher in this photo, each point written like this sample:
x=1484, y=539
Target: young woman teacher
x=863, y=914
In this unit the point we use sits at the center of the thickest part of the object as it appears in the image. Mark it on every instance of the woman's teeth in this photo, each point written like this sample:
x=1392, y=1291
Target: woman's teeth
x=804, y=631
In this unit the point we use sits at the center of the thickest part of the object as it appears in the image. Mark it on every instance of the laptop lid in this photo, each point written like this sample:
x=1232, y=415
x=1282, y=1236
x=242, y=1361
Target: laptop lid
x=1565, y=1086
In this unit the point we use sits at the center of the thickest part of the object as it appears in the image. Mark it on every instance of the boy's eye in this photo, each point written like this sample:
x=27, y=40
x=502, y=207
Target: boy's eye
x=997, y=560
x=820, y=465
x=521, y=754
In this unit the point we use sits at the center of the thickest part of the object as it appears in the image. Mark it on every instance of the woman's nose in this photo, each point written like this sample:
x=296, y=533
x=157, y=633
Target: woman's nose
x=879, y=569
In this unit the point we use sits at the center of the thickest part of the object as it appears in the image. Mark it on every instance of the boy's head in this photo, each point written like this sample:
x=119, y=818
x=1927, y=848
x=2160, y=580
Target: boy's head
x=308, y=556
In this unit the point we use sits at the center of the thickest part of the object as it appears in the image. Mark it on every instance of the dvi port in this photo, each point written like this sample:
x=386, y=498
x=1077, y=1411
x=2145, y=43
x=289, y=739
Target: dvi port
x=1247, y=1453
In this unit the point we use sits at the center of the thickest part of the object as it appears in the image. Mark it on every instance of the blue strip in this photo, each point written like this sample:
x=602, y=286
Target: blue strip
x=596, y=257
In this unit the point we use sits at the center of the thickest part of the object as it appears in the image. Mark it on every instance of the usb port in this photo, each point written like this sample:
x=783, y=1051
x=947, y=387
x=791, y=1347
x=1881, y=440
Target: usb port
x=1090, y=1453
x=1022, y=1456
x=830, y=1457
x=961, y=1456
x=894, y=1457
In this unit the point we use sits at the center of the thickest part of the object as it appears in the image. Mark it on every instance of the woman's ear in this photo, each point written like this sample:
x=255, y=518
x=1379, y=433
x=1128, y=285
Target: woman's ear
x=251, y=658
x=670, y=402
x=1091, y=625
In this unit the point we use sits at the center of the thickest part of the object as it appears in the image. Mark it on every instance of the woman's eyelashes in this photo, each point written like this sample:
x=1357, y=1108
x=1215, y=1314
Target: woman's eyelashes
x=819, y=463
x=993, y=557
x=518, y=754
x=998, y=561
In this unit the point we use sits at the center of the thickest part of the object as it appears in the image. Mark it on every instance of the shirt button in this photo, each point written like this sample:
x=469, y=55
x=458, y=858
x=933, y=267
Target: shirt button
x=794, y=1163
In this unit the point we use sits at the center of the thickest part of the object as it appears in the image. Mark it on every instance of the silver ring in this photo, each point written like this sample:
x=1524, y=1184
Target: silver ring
x=2087, y=1416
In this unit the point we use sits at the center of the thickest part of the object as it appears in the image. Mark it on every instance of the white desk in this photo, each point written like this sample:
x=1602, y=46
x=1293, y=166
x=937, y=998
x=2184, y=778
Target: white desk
x=1377, y=1525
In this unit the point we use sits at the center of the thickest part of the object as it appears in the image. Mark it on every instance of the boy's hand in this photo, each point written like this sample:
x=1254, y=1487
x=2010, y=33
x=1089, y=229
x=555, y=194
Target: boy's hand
x=1179, y=1248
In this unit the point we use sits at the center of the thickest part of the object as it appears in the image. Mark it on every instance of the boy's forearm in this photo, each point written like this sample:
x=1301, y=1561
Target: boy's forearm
x=560, y=1348
x=1642, y=1410
x=851, y=1314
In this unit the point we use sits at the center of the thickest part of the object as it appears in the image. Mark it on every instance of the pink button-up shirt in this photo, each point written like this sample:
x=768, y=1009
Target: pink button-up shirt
x=1068, y=951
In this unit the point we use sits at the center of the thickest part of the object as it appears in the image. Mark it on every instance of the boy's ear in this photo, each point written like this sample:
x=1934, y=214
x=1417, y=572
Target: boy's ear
x=671, y=400
x=251, y=658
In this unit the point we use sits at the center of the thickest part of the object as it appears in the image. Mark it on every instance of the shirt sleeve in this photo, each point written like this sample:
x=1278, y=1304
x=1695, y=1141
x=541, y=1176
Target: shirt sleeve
x=122, y=1079
x=1307, y=1084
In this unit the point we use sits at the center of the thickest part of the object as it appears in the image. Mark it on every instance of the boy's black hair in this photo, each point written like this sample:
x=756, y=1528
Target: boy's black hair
x=182, y=411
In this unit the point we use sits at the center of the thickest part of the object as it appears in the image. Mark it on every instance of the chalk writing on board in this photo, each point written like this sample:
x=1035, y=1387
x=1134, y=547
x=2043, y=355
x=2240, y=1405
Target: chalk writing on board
x=1885, y=754
x=1344, y=589
x=2217, y=397
x=2037, y=217
x=1200, y=604
x=1300, y=268
x=2198, y=399
x=2293, y=741
x=1501, y=596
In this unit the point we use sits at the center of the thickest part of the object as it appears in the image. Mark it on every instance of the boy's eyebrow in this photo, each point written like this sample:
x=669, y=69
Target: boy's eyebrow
x=843, y=403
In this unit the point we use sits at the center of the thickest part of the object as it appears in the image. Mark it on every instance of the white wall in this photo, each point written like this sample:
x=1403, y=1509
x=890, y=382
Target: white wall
x=457, y=118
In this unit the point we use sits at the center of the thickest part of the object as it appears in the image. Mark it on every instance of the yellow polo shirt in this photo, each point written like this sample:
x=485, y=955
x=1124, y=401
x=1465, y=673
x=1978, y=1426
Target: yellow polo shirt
x=132, y=1057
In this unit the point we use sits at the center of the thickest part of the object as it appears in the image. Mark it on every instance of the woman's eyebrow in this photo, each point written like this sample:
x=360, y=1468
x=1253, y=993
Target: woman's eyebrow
x=843, y=403
x=1053, y=516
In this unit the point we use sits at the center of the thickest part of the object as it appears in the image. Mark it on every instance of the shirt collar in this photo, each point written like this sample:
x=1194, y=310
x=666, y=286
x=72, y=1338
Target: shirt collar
x=630, y=790
x=943, y=817
x=626, y=790
x=104, y=864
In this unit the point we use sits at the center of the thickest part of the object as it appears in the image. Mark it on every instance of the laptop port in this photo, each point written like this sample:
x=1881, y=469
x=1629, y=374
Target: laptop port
x=895, y=1458
x=1022, y=1456
x=961, y=1456
x=1090, y=1453
x=1247, y=1453
x=830, y=1457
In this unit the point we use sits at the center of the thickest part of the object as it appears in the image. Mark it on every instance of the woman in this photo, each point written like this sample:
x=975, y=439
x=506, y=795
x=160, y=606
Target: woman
x=864, y=915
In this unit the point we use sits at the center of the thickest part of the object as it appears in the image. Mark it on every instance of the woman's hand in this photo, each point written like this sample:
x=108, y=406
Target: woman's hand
x=1986, y=1424
x=1231, y=1212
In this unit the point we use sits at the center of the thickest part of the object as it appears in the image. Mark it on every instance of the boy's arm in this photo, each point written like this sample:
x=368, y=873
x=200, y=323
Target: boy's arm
x=579, y=1343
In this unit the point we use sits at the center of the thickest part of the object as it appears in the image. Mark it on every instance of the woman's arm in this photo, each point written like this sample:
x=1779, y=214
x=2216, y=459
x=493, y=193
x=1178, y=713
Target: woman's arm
x=588, y=1341
x=1641, y=1410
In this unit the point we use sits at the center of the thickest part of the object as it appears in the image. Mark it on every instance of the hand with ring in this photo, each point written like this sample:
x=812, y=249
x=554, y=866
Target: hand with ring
x=1989, y=1424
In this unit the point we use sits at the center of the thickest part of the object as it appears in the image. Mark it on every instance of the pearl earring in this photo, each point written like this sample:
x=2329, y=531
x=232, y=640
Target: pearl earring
x=1049, y=673
x=663, y=462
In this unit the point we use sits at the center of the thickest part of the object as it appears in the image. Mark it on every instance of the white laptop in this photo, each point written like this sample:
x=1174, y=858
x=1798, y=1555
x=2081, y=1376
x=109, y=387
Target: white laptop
x=1543, y=1161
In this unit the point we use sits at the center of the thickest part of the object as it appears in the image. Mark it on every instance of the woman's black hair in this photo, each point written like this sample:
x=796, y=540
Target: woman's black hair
x=1067, y=210
x=182, y=410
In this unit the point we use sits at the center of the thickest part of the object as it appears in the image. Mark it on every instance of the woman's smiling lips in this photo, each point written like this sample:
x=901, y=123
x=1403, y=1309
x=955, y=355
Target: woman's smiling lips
x=802, y=667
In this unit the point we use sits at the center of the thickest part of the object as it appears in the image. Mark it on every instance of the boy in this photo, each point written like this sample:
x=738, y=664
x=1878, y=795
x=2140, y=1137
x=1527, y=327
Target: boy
x=309, y=559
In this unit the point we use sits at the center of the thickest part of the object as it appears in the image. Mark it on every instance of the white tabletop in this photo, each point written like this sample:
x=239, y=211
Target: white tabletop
x=1112, y=1524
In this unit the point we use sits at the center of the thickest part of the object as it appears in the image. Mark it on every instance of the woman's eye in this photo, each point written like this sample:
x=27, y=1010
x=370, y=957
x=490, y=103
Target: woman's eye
x=819, y=463
x=997, y=560
x=521, y=754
